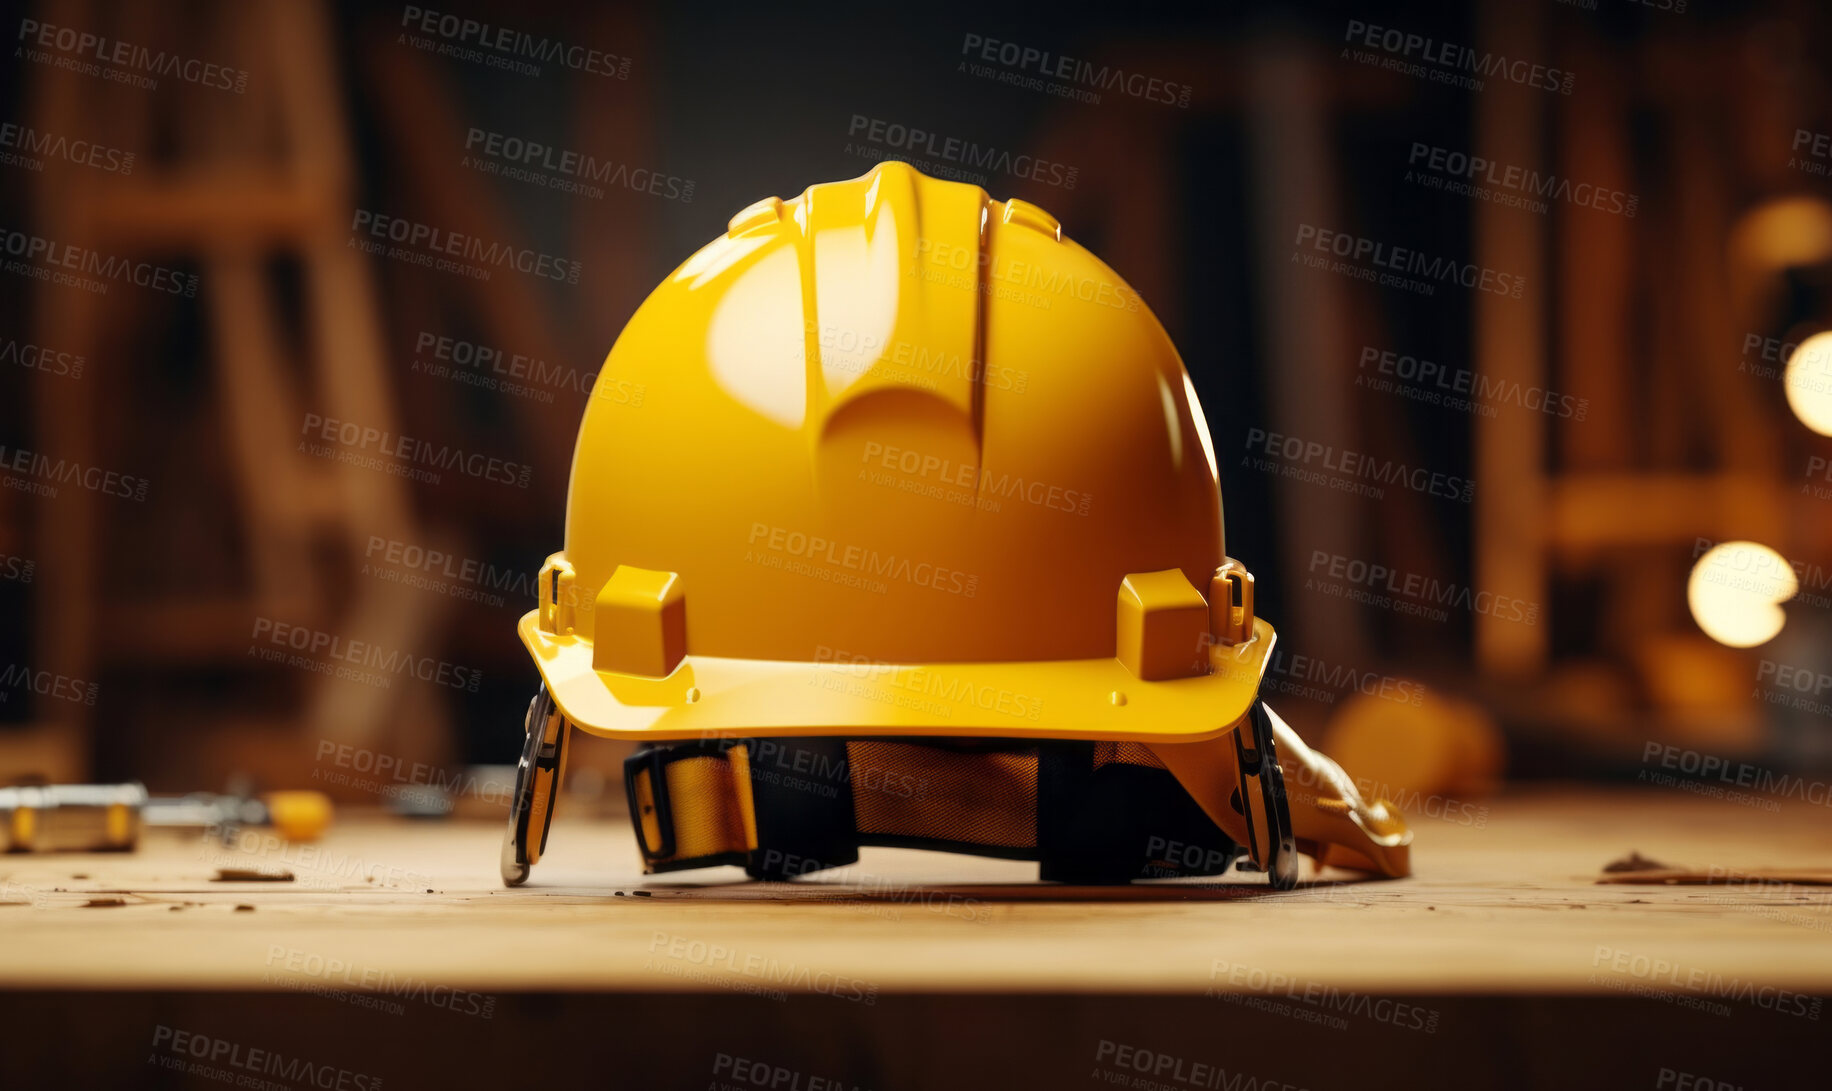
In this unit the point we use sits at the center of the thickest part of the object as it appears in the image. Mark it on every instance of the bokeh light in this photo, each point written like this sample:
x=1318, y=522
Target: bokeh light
x=1736, y=590
x=1809, y=382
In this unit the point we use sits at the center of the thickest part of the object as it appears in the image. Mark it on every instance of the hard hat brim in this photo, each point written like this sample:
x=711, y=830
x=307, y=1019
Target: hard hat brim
x=711, y=697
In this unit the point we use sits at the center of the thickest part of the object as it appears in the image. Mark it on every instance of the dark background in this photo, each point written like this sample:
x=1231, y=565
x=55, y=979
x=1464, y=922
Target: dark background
x=1594, y=523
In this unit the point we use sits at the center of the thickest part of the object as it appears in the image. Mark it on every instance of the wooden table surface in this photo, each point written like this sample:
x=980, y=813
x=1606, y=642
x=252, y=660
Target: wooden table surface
x=395, y=959
x=1507, y=906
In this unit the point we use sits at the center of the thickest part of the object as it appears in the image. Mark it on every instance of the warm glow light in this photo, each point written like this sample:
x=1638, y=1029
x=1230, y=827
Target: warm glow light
x=1787, y=231
x=1736, y=590
x=1809, y=382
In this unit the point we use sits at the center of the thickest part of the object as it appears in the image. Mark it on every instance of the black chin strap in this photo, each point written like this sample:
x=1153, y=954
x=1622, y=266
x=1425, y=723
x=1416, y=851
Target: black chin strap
x=1088, y=812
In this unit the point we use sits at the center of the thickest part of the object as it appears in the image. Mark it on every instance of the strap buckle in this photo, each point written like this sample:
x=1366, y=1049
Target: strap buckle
x=1262, y=794
x=537, y=788
x=654, y=761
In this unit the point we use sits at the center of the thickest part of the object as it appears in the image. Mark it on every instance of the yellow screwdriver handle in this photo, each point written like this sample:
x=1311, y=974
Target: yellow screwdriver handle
x=298, y=815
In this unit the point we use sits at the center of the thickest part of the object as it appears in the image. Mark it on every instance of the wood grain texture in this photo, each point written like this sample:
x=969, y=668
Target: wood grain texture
x=1505, y=902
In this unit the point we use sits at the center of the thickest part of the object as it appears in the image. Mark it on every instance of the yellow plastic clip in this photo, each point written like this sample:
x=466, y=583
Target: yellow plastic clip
x=555, y=586
x=1231, y=603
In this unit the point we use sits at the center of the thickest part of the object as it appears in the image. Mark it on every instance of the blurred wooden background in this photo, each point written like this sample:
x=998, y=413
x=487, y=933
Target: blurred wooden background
x=1594, y=521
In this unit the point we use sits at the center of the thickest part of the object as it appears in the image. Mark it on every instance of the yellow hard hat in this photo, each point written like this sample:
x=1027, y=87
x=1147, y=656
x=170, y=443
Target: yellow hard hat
x=894, y=519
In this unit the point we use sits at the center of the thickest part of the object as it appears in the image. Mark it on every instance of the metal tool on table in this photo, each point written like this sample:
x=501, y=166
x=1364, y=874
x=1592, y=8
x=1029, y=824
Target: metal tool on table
x=110, y=817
